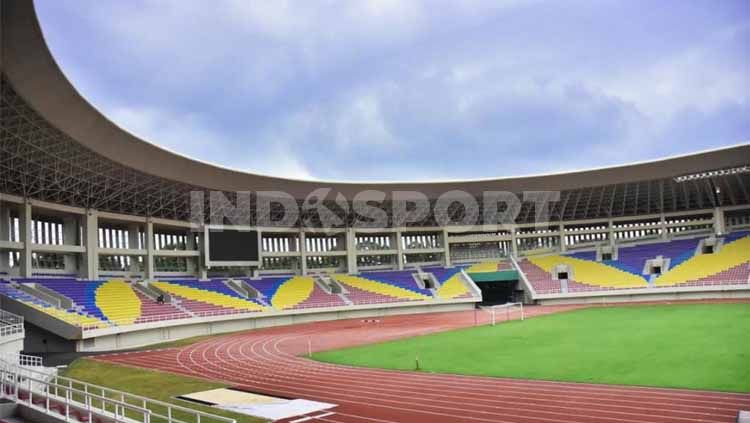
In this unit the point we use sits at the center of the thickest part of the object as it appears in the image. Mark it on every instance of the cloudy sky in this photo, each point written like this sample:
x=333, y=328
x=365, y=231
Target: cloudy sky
x=412, y=90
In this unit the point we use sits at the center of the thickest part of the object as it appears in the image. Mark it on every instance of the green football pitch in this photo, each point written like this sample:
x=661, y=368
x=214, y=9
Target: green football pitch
x=700, y=346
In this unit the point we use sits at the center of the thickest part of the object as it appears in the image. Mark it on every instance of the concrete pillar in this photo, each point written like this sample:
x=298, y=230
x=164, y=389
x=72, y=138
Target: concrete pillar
x=202, y=270
x=720, y=226
x=446, y=249
x=351, y=251
x=192, y=263
x=5, y=231
x=663, y=226
x=399, y=251
x=25, y=263
x=70, y=237
x=513, y=241
x=302, y=254
x=134, y=231
x=148, y=264
x=563, y=247
x=90, y=263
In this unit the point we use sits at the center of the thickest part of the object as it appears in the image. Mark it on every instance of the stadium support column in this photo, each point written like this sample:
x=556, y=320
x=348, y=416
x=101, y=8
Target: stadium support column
x=148, y=266
x=5, y=231
x=192, y=264
x=134, y=231
x=70, y=237
x=720, y=227
x=25, y=228
x=90, y=267
x=663, y=226
x=399, y=251
x=513, y=241
x=446, y=249
x=351, y=251
x=302, y=254
x=611, y=231
x=563, y=247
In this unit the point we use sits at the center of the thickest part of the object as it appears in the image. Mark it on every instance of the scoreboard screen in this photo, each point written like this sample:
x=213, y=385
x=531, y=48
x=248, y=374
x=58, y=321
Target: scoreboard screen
x=231, y=247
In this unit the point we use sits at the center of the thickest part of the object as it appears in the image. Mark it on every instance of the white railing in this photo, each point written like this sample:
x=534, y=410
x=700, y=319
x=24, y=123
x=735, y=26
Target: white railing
x=18, y=359
x=71, y=398
x=67, y=402
x=10, y=324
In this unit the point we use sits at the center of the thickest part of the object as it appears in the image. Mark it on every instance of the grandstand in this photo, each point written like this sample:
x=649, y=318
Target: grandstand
x=113, y=252
x=110, y=243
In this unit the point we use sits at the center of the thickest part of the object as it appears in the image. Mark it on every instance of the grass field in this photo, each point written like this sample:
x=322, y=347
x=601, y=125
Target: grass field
x=156, y=385
x=701, y=346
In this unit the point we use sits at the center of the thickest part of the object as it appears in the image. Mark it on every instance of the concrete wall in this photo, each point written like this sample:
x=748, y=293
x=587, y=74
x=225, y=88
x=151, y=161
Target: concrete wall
x=153, y=335
x=654, y=295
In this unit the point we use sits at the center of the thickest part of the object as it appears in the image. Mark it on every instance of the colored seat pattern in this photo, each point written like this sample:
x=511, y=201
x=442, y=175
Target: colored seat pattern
x=734, y=254
x=361, y=283
x=83, y=293
x=451, y=283
x=198, y=295
x=292, y=292
x=118, y=302
x=72, y=317
x=402, y=279
x=590, y=272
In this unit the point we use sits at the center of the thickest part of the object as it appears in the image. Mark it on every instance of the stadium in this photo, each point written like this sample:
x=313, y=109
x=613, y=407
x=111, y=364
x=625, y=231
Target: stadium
x=139, y=285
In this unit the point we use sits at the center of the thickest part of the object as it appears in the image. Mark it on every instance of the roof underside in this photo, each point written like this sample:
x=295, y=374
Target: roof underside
x=56, y=147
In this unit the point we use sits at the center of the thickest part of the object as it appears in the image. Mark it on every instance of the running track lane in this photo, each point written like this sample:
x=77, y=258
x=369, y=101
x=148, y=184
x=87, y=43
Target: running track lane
x=270, y=361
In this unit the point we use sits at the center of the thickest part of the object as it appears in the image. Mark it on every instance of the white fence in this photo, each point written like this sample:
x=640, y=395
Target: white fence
x=10, y=324
x=74, y=400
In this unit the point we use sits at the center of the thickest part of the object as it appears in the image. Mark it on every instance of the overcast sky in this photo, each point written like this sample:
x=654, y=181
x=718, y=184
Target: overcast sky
x=412, y=90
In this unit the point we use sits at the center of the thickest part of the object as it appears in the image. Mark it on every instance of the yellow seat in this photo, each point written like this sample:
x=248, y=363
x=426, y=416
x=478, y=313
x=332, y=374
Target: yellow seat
x=705, y=265
x=292, y=292
x=379, y=287
x=119, y=303
x=591, y=272
x=209, y=297
x=452, y=288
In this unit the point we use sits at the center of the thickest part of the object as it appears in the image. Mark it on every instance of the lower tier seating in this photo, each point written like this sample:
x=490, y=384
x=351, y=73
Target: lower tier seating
x=729, y=265
x=203, y=298
x=364, y=290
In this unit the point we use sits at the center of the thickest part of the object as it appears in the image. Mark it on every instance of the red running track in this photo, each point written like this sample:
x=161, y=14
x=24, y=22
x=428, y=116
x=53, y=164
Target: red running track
x=269, y=361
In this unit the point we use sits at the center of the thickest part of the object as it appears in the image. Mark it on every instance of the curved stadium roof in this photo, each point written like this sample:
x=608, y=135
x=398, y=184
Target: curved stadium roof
x=58, y=147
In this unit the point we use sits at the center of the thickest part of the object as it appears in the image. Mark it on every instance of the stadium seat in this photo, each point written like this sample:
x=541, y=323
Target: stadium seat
x=729, y=265
x=363, y=290
x=205, y=298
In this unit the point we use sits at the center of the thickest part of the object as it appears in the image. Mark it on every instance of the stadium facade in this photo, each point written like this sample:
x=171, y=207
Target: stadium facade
x=80, y=197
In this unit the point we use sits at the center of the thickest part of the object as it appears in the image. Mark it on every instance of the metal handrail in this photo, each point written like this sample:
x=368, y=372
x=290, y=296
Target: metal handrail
x=91, y=394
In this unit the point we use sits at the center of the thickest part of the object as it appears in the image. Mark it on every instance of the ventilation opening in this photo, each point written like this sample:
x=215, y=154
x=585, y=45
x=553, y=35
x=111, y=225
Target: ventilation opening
x=656, y=270
x=562, y=275
x=708, y=249
x=606, y=256
x=428, y=284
